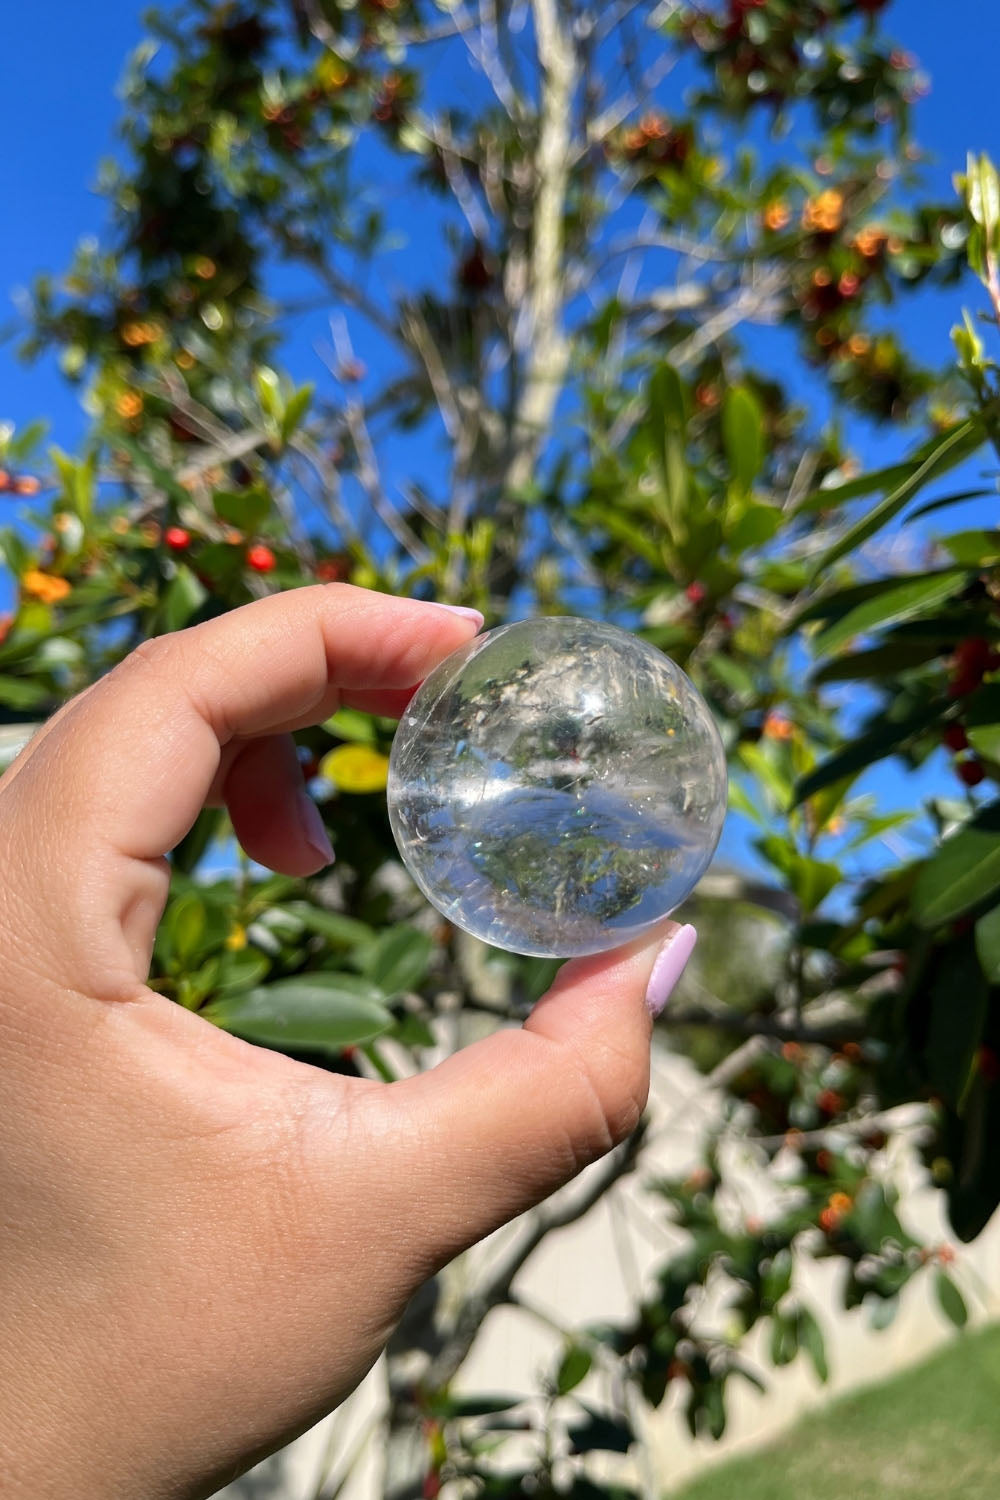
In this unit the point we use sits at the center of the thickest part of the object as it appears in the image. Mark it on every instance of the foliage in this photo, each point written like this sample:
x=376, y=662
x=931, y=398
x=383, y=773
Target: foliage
x=559, y=410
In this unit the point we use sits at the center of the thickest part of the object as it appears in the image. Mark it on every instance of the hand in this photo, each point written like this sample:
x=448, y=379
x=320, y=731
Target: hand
x=204, y=1245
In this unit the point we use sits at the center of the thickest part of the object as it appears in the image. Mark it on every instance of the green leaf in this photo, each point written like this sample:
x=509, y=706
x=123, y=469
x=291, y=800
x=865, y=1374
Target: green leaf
x=760, y=763
x=982, y=721
x=13, y=552
x=601, y=1434
x=321, y=1012
x=448, y=1408
x=23, y=692
x=184, y=596
x=950, y=449
x=973, y=549
x=207, y=827
x=777, y=1278
x=944, y=501
x=741, y=803
x=269, y=393
x=732, y=675
x=950, y=1300
x=340, y=931
x=298, y=404
x=885, y=739
x=248, y=509
x=183, y=927
x=899, y=654
x=964, y=871
x=352, y=725
x=668, y=429
x=240, y=971
x=574, y=1367
x=754, y=527
x=901, y=602
x=883, y=1313
x=413, y=1031
x=714, y=1407
x=812, y=1341
x=398, y=959
x=810, y=880
x=958, y=1000
x=988, y=944
x=743, y=435
x=784, y=1339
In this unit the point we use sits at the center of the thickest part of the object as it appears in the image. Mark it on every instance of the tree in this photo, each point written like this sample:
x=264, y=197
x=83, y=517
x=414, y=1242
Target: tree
x=549, y=400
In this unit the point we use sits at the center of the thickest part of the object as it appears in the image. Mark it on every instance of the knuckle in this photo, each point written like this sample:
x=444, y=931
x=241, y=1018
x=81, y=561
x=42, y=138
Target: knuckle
x=613, y=1084
x=154, y=652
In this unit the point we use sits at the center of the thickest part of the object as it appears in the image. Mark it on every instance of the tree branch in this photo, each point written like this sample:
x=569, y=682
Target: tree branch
x=736, y=1024
x=539, y=333
x=496, y=1289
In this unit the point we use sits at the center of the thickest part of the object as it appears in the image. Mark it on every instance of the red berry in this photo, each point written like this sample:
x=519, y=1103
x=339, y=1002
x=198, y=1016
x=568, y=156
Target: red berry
x=829, y=1102
x=177, y=539
x=955, y=737
x=971, y=772
x=261, y=559
x=988, y=1064
x=696, y=593
x=972, y=654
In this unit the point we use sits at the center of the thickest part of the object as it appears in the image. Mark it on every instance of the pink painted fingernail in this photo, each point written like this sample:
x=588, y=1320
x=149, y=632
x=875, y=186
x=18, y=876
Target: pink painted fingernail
x=461, y=611
x=313, y=828
x=671, y=961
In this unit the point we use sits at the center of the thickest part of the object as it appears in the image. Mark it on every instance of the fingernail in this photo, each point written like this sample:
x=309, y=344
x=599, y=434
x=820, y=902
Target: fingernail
x=671, y=961
x=312, y=826
x=461, y=611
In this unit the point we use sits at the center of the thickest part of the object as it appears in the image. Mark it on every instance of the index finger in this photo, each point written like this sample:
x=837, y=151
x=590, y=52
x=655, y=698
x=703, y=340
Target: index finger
x=121, y=776
x=147, y=739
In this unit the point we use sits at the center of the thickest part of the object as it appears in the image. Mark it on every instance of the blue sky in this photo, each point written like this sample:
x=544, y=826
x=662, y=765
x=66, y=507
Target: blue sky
x=64, y=59
x=63, y=62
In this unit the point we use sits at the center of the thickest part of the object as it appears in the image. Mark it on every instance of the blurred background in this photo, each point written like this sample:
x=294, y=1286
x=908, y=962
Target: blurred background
x=683, y=316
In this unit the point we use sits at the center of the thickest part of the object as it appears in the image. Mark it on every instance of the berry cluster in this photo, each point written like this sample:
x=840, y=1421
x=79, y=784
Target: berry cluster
x=972, y=660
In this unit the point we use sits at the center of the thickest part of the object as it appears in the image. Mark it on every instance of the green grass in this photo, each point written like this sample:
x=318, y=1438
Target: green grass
x=929, y=1434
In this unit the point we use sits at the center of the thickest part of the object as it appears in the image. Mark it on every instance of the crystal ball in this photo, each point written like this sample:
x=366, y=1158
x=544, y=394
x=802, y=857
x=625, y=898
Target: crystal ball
x=556, y=787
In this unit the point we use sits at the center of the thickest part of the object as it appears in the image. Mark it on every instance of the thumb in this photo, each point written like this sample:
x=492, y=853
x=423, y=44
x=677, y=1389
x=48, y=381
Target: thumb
x=500, y=1125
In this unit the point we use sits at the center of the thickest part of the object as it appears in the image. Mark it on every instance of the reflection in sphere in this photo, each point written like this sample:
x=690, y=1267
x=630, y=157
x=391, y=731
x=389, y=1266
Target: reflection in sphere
x=556, y=787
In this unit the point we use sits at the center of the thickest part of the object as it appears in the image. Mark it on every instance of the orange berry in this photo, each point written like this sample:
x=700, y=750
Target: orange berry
x=776, y=215
x=777, y=727
x=829, y=1220
x=45, y=586
x=128, y=404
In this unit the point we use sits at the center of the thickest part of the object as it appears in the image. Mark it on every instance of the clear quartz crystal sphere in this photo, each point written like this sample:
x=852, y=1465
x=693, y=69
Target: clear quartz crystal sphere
x=556, y=787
